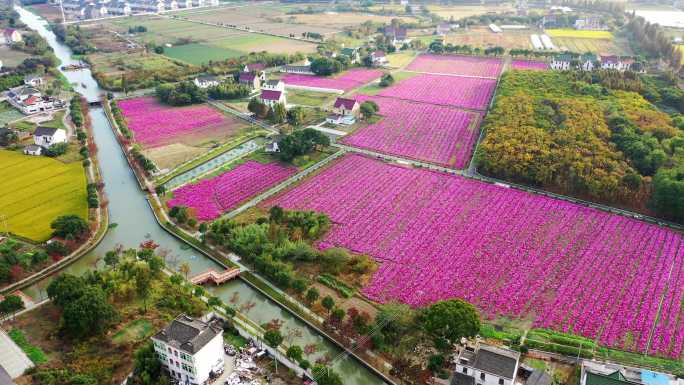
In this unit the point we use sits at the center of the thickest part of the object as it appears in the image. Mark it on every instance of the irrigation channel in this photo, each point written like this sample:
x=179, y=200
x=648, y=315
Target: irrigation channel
x=135, y=223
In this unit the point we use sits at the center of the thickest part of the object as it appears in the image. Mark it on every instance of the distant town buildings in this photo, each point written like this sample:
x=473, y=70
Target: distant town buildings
x=590, y=24
x=190, y=349
x=91, y=9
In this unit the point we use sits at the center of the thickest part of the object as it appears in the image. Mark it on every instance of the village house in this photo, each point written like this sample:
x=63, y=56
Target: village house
x=345, y=112
x=207, y=81
x=303, y=69
x=119, y=8
x=34, y=80
x=590, y=24
x=250, y=79
x=47, y=136
x=379, y=58
x=442, y=29
x=561, y=62
x=485, y=365
x=351, y=53
x=614, y=62
x=93, y=11
x=190, y=349
x=274, y=85
x=29, y=100
x=10, y=36
x=33, y=150
x=271, y=98
x=254, y=67
x=397, y=35
x=597, y=373
x=346, y=106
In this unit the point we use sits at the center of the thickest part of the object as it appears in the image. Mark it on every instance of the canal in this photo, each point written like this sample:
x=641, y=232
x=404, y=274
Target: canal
x=135, y=223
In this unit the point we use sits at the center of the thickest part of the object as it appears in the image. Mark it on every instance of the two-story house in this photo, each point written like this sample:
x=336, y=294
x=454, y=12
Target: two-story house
x=486, y=365
x=190, y=349
x=271, y=98
x=274, y=85
x=48, y=136
x=250, y=79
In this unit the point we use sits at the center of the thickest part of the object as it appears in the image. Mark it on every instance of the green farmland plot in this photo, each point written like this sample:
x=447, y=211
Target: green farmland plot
x=199, y=54
x=37, y=190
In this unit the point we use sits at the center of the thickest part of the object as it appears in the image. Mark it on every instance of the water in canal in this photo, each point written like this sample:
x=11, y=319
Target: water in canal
x=128, y=208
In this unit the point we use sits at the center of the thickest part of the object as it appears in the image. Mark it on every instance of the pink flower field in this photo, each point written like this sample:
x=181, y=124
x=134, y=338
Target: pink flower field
x=155, y=124
x=426, y=132
x=355, y=77
x=457, y=65
x=454, y=91
x=210, y=198
x=529, y=65
x=511, y=253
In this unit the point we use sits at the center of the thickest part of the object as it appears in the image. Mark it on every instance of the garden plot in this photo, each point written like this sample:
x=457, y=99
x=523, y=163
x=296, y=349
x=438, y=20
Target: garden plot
x=483, y=37
x=173, y=135
x=436, y=134
x=210, y=198
x=457, y=65
x=529, y=65
x=348, y=80
x=34, y=191
x=511, y=253
x=471, y=93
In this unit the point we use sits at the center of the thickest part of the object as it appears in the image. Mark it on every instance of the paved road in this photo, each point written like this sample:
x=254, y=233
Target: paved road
x=12, y=358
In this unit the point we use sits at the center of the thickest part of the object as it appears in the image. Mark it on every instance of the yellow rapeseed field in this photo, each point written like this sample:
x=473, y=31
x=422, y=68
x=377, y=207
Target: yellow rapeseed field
x=567, y=32
x=36, y=190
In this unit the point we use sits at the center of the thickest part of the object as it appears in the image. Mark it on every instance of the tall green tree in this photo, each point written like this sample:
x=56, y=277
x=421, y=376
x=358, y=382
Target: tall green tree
x=668, y=193
x=70, y=227
x=448, y=321
x=89, y=314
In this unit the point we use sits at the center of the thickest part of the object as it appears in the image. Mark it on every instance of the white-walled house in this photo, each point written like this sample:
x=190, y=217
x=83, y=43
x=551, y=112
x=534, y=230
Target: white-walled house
x=30, y=100
x=346, y=107
x=34, y=80
x=47, y=136
x=379, y=58
x=274, y=85
x=271, y=98
x=207, y=81
x=486, y=365
x=190, y=349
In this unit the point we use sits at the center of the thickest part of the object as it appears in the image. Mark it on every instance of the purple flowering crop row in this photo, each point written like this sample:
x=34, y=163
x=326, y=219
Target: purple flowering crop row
x=457, y=65
x=528, y=65
x=426, y=132
x=155, y=124
x=511, y=253
x=210, y=198
x=454, y=91
x=355, y=77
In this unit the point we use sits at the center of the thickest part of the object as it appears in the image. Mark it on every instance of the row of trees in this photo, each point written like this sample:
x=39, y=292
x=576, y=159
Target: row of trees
x=653, y=40
x=181, y=94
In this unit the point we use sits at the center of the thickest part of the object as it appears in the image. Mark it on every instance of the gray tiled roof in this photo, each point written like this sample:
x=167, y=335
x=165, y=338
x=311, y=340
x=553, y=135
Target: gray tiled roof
x=188, y=334
x=495, y=361
x=43, y=131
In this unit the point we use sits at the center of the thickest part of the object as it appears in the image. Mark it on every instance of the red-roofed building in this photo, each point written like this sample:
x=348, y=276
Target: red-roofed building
x=346, y=106
x=254, y=67
x=272, y=97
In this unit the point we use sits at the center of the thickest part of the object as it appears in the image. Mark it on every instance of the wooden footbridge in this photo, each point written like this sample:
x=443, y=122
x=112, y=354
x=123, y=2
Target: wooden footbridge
x=215, y=277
